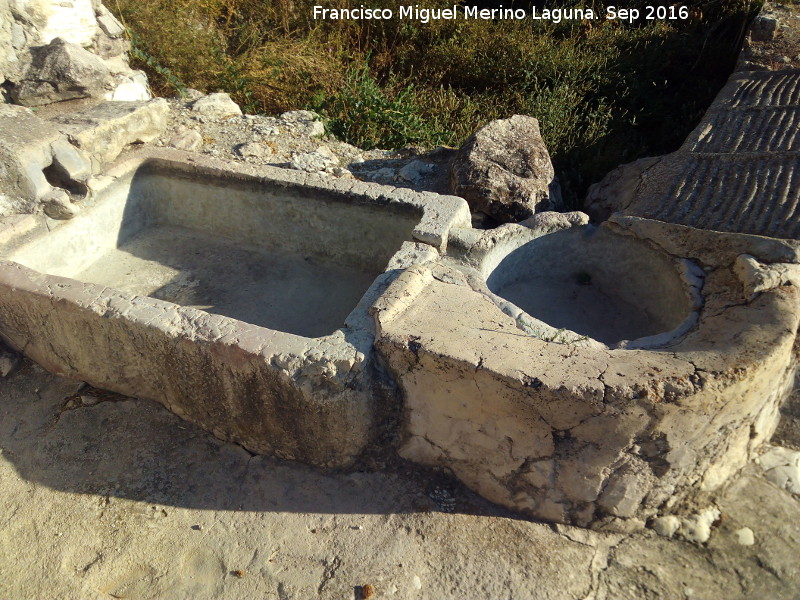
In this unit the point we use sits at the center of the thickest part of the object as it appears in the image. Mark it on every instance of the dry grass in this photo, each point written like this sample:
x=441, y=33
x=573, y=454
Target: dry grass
x=604, y=92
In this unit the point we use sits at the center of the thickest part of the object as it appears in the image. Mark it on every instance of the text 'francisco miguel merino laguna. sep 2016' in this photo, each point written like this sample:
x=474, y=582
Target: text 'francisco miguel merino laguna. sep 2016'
x=556, y=15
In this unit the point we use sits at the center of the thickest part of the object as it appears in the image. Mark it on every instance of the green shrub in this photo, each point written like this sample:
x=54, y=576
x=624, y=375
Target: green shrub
x=369, y=116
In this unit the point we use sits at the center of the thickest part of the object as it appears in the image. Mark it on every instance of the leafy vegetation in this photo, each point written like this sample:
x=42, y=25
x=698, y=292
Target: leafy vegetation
x=604, y=91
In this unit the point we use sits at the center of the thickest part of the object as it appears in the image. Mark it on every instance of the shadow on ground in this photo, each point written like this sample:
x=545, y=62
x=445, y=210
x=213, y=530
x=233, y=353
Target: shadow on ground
x=85, y=441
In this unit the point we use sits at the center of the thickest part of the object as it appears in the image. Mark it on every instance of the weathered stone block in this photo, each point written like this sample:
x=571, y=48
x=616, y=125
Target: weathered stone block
x=551, y=419
x=102, y=131
x=236, y=296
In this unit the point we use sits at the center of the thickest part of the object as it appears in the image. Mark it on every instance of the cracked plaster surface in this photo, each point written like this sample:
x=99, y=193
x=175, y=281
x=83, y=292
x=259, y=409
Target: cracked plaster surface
x=587, y=434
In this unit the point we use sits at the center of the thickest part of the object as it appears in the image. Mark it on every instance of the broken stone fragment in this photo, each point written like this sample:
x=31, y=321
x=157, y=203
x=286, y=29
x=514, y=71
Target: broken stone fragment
x=666, y=526
x=255, y=150
x=9, y=360
x=782, y=467
x=186, y=139
x=304, y=122
x=504, y=170
x=321, y=160
x=104, y=130
x=416, y=170
x=131, y=87
x=109, y=23
x=764, y=28
x=71, y=162
x=110, y=48
x=62, y=71
x=57, y=205
x=217, y=105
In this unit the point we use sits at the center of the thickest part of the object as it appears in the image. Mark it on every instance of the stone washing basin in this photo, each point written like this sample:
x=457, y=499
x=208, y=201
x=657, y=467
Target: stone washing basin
x=566, y=428
x=616, y=290
x=235, y=296
x=297, y=263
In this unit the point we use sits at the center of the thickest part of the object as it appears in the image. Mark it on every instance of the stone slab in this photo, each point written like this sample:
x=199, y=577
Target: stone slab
x=745, y=193
x=747, y=130
x=103, y=130
x=760, y=89
x=736, y=172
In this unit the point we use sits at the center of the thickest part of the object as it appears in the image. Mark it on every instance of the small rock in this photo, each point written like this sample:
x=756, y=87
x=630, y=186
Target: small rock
x=782, y=467
x=342, y=172
x=89, y=400
x=191, y=94
x=72, y=162
x=109, y=24
x=764, y=28
x=131, y=89
x=9, y=361
x=416, y=582
x=666, y=526
x=744, y=536
x=697, y=528
x=305, y=122
x=57, y=205
x=186, y=139
x=267, y=129
x=322, y=159
x=416, y=170
x=217, y=105
x=255, y=150
x=384, y=175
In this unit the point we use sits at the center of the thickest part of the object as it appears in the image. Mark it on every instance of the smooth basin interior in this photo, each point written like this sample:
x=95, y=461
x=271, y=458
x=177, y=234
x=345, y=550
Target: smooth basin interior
x=607, y=287
x=284, y=257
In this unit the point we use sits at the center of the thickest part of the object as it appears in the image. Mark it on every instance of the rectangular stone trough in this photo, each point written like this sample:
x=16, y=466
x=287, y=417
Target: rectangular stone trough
x=236, y=296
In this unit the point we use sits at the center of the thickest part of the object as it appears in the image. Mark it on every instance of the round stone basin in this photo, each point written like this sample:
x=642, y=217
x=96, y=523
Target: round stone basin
x=607, y=287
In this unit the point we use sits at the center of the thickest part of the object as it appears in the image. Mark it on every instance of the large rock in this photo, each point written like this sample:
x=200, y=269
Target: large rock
x=504, y=171
x=62, y=71
x=217, y=105
x=72, y=21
